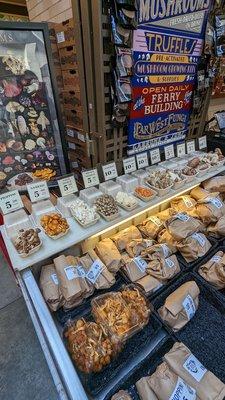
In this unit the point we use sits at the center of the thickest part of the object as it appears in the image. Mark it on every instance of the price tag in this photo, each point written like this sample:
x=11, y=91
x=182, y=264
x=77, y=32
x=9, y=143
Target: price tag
x=67, y=185
x=60, y=37
x=181, y=150
x=155, y=156
x=38, y=191
x=10, y=201
x=109, y=171
x=202, y=143
x=90, y=178
x=191, y=147
x=129, y=165
x=142, y=160
x=169, y=151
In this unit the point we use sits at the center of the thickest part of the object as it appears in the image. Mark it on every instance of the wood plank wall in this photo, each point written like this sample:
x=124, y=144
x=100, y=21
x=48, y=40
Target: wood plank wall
x=49, y=10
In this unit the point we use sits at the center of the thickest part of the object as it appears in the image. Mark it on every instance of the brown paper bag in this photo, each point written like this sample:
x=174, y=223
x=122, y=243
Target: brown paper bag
x=194, y=246
x=144, y=390
x=136, y=247
x=122, y=238
x=149, y=284
x=151, y=227
x=69, y=281
x=165, y=214
x=163, y=269
x=180, y=306
x=49, y=286
x=199, y=193
x=96, y=272
x=158, y=250
x=122, y=395
x=210, y=209
x=214, y=270
x=87, y=287
x=185, y=204
x=165, y=237
x=182, y=225
x=217, y=229
x=216, y=184
x=186, y=365
x=132, y=267
x=109, y=254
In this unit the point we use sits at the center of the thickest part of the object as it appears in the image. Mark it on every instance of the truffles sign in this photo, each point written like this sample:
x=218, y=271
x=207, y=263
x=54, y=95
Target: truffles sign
x=166, y=50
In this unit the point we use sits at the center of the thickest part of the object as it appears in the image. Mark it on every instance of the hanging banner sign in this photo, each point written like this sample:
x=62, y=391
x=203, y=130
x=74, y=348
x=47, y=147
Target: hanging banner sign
x=166, y=50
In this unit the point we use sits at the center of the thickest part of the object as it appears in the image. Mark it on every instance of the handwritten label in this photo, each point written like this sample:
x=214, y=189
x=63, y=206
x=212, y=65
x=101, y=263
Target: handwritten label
x=155, y=220
x=90, y=178
x=129, y=165
x=109, y=171
x=216, y=202
x=67, y=185
x=94, y=271
x=199, y=239
x=188, y=203
x=141, y=264
x=202, y=143
x=189, y=306
x=169, y=262
x=166, y=250
x=55, y=279
x=142, y=160
x=183, y=217
x=216, y=258
x=60, y=36
x=71, y=272
x=195, y=368
x=10, y=201
x=169, y=151
x=190, y=147
x=38, y=191
x=183, y=391
x=181, y=150
x=155, y=156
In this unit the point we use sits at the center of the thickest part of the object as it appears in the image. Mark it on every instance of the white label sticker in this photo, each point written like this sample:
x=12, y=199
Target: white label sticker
x=190, y=147
x=183, y=217
x=142, y=160
x=183, y=391
x=90, y=178
x=129, y=165
x=81, y=271
x=189, y=306
x=216, y=258
x=95, y=270
x=169, y=262
x=155, y=156
x=67, y=185
x=195, y=368
x=181, y=150
x=55, y=279
x=10, y=201
x=141, y=264
x=81, y=137
x=70, y=132
x=169, y=151
x=199, y=239
x=202, y=143
x=71, y=272
x=38, y=191
x=216, y=202
x=166, y=250
x=72, y=146
x=188, y=203
x=109, y=171
x=155, y=220
x=60, y=36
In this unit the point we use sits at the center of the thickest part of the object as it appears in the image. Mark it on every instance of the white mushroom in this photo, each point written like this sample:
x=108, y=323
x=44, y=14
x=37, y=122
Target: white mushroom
x=43, y=120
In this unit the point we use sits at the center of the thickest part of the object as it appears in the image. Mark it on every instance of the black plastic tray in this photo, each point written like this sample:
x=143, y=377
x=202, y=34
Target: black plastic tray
x=95, y=383
x=204, y=334
x=189, y=266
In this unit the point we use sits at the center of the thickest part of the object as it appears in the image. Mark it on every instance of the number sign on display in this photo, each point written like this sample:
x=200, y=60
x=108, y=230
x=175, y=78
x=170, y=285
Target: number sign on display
x=202, y=143
x=191, y=147
x=67, y=185
x=155, y=156
x=10, y=201
x=129, y=165
x=169, y=151
x=142, y=160
x=181, y=151
x=38, y=191
x=90, y=178
x=109, y=171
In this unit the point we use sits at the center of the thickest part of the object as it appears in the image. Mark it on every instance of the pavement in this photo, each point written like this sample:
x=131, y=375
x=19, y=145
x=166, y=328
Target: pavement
x=24, y=373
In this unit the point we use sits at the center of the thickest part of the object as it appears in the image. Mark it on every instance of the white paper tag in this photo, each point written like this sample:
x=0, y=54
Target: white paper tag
x=155, y=156
x=181, y=150
x=187, y=202
x=95, y=270
x=60, y=36
x=216, y=258
x=169, y=151
x=81, y=272
x=189, y=306
x=202, y=143
x=183, y=391
x=190, y=147
x=141, y=264
x=55, y=279
x=10, y=201
x=155, y=220
x=199, y=238
x=183, y=217
x=129, y=165
x=71, y=272
x=109, y=171
x=72, y=146
x=195, y=368
x=169, y=262
x=166, y=250
x=38, y=191
x=67, y=185
x=216, y=202
x=90, y=178
x=142, y=160
x=81, y=137
x=70, y=132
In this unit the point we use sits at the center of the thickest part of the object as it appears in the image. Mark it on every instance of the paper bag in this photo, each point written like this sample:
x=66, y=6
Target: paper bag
x=136, y=247
x=163, y=269
x=49, y=286
x=217, y=229
x=122, y=238
x=96, y=272
x=180, y=306
x=210, y=209
x=149, y=284
x=87, y=288
x=158, y=250
x=214, y=270
x=185, y=204
x=182, y=225
x=109, y=255
x=216, y=184
x=133, y=267
x=194, y=246
x=122, y=395
x=144, y=390
x=151, y=227
x=199, y=193
x=165, y=237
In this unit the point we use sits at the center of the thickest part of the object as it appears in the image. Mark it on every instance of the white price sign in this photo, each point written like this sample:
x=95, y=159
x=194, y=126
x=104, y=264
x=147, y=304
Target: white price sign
x=202, y=143
x=10, y=201
x=109, y=171
x=142, y=160
x=190, y=147
x=129, y=165
x=155, y=156
x=38, y=191
x=181, y=151
x=67, y=185
x=169, y=151
x=90, y=178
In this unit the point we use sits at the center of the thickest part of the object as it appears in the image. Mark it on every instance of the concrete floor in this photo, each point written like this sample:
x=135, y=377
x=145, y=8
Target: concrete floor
x=24, y=374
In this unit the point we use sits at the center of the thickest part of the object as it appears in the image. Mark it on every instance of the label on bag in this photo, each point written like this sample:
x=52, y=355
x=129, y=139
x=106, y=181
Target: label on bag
x=169, y=262
x=195, y=368
x=71, y=272
x=141, y=264
x=55, y=279
x=10, y=201
x=94, y=271
x=199, y=239
x=183, y=391
x=166, y=250
x=189, y=306
x=183, y=217
x=216, y=202
x=81, y=271
x=216, y=258
x=188, y=203
x=155, y=220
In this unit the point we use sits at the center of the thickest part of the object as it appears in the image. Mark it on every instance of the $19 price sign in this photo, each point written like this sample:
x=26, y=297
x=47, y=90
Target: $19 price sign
x=10, y=201
x=38, y=191
x=109, y=171
x=67, y=185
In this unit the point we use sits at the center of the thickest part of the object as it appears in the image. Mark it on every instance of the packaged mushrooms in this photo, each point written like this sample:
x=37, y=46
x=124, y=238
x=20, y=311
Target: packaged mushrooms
x=123, y=238
x=109, y=254
x=213, y=271
x=194, y=246
x=49, y=285
x=182, y=225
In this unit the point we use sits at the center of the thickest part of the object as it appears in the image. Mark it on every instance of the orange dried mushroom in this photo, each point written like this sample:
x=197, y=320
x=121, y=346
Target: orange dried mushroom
x=144, y=192
x=54, y=224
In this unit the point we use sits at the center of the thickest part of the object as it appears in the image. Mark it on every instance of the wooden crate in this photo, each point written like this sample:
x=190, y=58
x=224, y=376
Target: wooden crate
x=65, y=33
x=71, y=100
x=71, y=79
x=68, y=57
x=74, y=118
